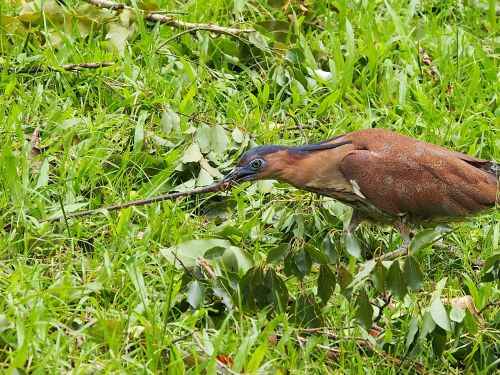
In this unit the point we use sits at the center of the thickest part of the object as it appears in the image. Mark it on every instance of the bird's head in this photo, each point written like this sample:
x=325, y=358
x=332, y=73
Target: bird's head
x=277, y=162
x=259, y=163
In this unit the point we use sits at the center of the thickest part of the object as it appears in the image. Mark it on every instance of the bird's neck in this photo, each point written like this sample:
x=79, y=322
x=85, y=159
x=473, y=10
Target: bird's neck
x=317, y=169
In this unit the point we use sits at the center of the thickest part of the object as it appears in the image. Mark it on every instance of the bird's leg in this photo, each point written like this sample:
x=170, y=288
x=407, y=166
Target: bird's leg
x=354, y=222
x=405, y=246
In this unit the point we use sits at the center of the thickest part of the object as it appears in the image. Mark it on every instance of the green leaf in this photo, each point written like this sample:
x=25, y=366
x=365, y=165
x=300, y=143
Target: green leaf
x=278, y=253
x=139, y=135
x=439, y=315
x=258, y=355
x=326, y=283
x=204, y=178
x=276, y=3
x=470, y=323
x=219, y=141
x=378, y=276
x=428, y=324
x=188, y=252
x=238, y=136
x=260, y=288
x=295, y=56
x=233, y=259
x=491, y=269
x=195, y=292
x=302, y=263
x=258, y=41
x=329, y=249
x=412, y=331
x=457, y=314
x=202, y=137
x=315, y=254
x=117, y=36
x=364, y=310
x=395, y=281
x=43, y=174
x=278, y=292
x=413, y=274
x=169, y=121
x=427, y=237
x=344, y=278
x=4, y=323
x=365, y=270
x=305, y=312
x=275, y=25
x=438, y=341
x=353, y=246
x=192, y=154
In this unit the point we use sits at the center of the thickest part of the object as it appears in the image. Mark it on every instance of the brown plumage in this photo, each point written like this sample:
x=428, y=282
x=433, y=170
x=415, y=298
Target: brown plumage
x=386, y=177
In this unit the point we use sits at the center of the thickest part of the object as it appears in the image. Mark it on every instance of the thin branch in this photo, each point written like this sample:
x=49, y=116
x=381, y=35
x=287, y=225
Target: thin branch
x=207, y=269
x=181, y=338
x=221, y=186
x=387, y=301
x=489, y=304
x=168, y=20
x=402, y=250
x=90, y=65
x=182, y=264
x=106, y=4
x=206, y=189
x=67, y=67
x=333, y=336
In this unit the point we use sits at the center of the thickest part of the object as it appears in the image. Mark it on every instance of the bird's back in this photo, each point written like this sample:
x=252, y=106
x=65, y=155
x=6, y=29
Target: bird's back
x=403, y=175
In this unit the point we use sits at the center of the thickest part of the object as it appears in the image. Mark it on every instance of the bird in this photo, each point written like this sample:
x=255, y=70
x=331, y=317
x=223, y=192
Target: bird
x=386, y=177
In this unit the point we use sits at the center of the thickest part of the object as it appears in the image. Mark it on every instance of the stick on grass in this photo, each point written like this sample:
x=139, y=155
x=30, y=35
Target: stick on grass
x=221, y=186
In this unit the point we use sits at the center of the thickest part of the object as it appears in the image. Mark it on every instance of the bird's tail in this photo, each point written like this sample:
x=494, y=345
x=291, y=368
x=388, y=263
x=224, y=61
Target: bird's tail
x=485, y=165
x=490, y=167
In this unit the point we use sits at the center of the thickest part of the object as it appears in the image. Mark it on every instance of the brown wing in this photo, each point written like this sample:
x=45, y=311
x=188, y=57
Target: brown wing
x=423, y=180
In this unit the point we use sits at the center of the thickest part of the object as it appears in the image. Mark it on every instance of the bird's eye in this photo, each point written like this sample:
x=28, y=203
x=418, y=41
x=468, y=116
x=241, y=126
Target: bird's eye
x=256, y=164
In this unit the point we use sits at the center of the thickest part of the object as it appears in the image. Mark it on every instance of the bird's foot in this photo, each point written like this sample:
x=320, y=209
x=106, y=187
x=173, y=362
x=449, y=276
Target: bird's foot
x=404, y=249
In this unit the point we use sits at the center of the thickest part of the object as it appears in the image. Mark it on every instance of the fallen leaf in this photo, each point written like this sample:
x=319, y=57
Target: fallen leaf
x=225, y=360
x=34, y=155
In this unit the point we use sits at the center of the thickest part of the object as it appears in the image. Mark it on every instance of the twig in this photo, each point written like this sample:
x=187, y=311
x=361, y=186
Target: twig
x=489, y=304
x=67, y=67
x=167, y=20
x=91, y=65
x=207, y=269
x=182, y=264
x=387, y=301
x=333, y=336
x=394, y=254
x=298, y=125
x=181, y=338
x=106, y=4
x=222, y=186
x=206, y=189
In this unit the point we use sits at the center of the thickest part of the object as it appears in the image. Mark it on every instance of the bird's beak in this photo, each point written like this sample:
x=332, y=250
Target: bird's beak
x=239, y=174
x=233, y=175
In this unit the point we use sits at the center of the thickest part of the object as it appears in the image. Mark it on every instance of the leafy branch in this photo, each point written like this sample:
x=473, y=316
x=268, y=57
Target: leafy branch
x=168, y=20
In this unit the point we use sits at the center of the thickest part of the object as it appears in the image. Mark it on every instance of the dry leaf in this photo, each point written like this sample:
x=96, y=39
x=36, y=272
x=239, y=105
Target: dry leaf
x=222, y=358
x=34, y=155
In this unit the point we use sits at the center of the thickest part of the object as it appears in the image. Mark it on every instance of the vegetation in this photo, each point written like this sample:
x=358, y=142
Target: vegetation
x=261, y=279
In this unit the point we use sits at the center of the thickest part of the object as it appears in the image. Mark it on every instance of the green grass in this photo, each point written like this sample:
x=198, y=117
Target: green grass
x=96, y=295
